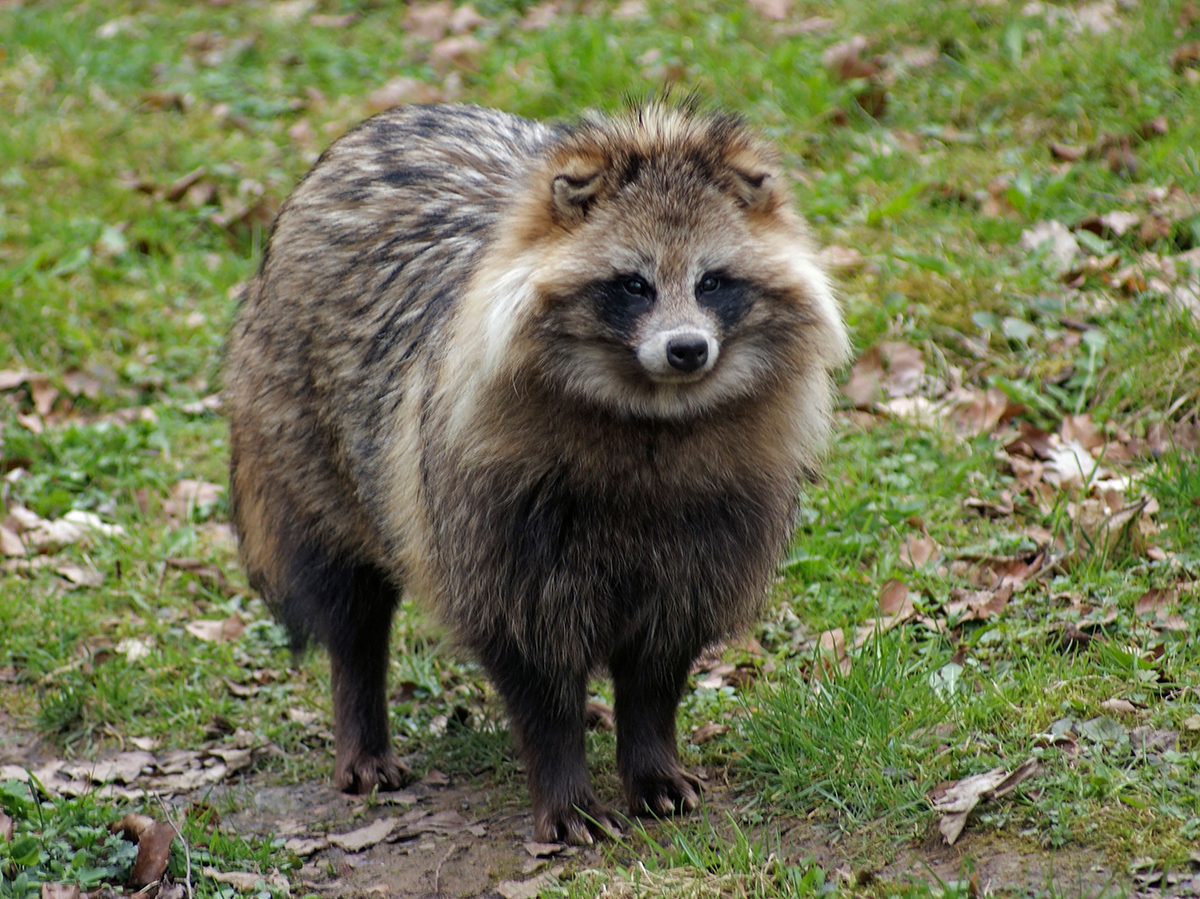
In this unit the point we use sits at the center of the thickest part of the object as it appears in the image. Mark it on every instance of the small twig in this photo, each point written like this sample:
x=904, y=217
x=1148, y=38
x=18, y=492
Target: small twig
x=63, y=669
x=437, y=873
x=187, y=852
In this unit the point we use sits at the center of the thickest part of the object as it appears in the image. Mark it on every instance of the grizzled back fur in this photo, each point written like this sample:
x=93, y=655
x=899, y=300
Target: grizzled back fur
x=560, y=382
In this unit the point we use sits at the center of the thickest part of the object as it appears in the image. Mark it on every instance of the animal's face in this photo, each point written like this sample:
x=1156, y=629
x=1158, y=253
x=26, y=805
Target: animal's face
x=668, y=300
x=654, y=268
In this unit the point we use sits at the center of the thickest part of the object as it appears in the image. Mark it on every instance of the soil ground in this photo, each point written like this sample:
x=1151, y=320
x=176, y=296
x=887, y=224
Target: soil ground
x=474, y=838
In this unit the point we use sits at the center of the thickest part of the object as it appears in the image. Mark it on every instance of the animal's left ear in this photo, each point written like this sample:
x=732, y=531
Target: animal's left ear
x=572, y=194
x=754, y=190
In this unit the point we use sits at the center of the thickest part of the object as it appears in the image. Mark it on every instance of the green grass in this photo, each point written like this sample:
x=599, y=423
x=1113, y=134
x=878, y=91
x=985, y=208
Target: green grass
x=69, y=841
x=120, y=296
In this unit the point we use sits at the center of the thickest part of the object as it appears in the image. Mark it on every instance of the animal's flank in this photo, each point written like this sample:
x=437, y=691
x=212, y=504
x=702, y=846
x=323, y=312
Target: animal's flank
x=561, y=382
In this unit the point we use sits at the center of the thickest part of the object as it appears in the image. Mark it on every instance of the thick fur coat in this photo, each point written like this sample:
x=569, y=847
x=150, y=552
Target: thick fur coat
x=561, y=383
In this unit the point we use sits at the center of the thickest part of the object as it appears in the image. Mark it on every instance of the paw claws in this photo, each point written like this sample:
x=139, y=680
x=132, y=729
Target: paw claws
x=367, y=773
x=675, y=793
x=579, y=826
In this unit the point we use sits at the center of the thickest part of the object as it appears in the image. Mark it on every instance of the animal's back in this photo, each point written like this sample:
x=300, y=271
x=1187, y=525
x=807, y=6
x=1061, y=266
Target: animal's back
x=366, y=261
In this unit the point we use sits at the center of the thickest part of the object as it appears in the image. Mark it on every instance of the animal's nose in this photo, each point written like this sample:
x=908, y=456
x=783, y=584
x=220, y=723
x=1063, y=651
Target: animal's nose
x=688, y=353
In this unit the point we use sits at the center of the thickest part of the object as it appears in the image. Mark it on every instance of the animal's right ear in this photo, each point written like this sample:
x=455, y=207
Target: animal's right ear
x=573, y=194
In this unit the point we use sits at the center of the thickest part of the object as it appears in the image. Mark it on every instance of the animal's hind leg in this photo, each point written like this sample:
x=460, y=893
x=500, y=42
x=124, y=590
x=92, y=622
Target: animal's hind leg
x=322, y=595
x=348, y=607
x=358, y=627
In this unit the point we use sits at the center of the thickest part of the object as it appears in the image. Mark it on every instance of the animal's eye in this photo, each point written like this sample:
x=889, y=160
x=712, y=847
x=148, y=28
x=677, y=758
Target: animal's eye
x=709, y=283
x=636, y=286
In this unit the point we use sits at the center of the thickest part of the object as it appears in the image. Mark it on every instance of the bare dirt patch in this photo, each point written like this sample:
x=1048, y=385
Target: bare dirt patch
x=474, y=838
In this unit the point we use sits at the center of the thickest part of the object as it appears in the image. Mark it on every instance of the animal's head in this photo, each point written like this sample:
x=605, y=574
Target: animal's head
x=655, y=268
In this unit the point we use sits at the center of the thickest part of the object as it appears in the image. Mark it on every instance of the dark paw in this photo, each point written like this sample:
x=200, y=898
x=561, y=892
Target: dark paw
x=364, y=773
x=580, y=824
x=660, y=795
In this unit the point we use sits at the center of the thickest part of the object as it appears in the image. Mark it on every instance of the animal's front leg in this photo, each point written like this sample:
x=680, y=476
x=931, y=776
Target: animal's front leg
x=648, y=688
x=546, y=710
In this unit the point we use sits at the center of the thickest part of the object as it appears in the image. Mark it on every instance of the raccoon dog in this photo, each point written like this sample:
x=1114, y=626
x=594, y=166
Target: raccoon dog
x=561, y=383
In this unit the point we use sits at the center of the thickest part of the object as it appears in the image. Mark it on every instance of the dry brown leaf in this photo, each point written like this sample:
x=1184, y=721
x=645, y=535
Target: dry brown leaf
x=1117, y=223
x=430, y=22
x=1120, y=705
x=995, y=572
x=526, y=889
x=917, y=550
x=303, y=847
x=1039, y=535
x=630, y=9
x=364, y=837
x=466, y=18
x=1055, y=240
x=544, y=850
x=43, y=395
x=1158, y=606
x=706, y=732
x=895, y=598
x=345, y=20
x=1081, y=429
x=50, y=536
x=124, y=768
x=1091, y=267
x=833, y=642
x=810, y=25
x=956, y=799
x=178, y=188
x=210, y=575
x=245, y=882
x=1156, y=600
x=598, y=716
x=10, y=543
x=191, y=494
x=973, y=412
x=717, y=676
x=460, y=51
x=402, y=90
x=1001, y=507
x=290, y=12
x=216, y=631
x=775, y=10
x=845, y=61
x=79, y=576
x=540, y=17
x=1066, y=152
x=1186, y=56
x=153, y=839
x=977, y=605
x=1033, y=442
x=134, y=649
x=435, y=778
x=60, y=891
x=841, y=258
x=886, y=370
x=1104, y=530
x=1069, y=463
x=10, y=379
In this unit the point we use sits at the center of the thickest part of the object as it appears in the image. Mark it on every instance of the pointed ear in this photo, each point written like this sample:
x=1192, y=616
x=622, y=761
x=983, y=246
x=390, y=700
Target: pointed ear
x=756, y=192
x=573, y=194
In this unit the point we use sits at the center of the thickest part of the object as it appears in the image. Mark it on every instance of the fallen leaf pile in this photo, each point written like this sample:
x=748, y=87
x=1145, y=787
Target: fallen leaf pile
x=38, y=403
x=132, y=774
x=227, y=206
